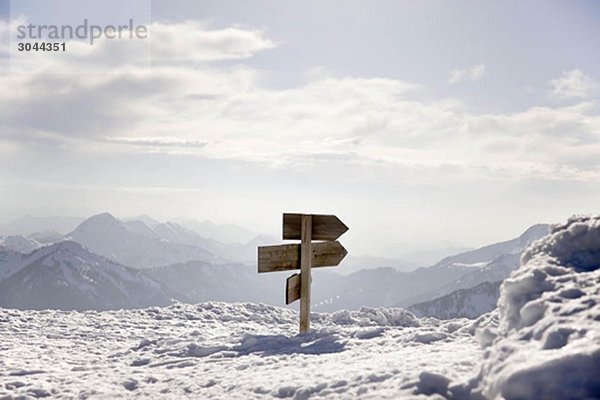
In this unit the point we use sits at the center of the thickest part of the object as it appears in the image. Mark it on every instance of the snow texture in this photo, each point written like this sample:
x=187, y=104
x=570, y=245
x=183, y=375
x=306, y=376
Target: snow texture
x=229, y=350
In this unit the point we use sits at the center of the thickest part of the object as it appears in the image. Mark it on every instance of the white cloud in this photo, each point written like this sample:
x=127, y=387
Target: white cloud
x=222, y=111
x=192, y=41
x=188, y=42
x=4, y=38
x=574, y=85
x=473, y=73
x=156, y=142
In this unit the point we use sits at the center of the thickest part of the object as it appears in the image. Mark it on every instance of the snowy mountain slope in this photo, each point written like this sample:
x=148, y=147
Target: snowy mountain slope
x=543, y=342
x=505, y=259
x=67, y=276
x=46, y=237
x=390, y=287
x=243, y=252
x=10, y=262
x=493, y=251
x=463, y=303
x=453, y=273
x=135, y=243
x=168, y=231
x=199, y=281
x=227, y=351
x=19, y=243
x=145, y=243
x=495, y=270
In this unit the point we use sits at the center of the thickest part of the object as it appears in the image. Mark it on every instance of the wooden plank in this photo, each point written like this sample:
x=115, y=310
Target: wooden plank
x=287, y=256
x=278, y=258
x=292, y=289
x=325, y=227
x=305, y=267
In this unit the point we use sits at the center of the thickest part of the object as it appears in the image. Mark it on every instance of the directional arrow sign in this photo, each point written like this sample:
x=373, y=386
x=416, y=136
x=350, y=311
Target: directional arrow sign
x=292, y=289
x=324, y=227
x=287, y=257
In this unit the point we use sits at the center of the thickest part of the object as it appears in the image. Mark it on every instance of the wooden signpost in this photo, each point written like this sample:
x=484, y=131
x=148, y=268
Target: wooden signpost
x=304, y=256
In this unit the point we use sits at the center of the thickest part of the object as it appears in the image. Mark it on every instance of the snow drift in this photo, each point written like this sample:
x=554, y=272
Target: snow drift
x=545, y=343
x=226, y=351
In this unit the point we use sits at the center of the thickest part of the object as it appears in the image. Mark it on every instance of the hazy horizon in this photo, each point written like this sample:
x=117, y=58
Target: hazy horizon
x=352, y=242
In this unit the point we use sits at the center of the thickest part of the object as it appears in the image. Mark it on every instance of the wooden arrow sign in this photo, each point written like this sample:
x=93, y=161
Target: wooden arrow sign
x=292, y=289
x=304, y=256
x=324, y=227
x=287, y=256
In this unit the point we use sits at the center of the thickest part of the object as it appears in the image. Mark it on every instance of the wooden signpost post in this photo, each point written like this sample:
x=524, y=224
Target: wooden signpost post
x=304, y=256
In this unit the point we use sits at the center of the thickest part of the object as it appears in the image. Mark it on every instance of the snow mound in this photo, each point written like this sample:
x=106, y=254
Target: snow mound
x=367, y=316
x=575, y=244
x=546, y=342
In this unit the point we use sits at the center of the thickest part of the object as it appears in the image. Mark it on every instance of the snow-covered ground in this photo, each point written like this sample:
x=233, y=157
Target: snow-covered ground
x=225, y=350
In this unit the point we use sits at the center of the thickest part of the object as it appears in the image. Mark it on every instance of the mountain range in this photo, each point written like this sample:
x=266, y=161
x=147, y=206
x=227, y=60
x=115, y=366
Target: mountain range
x=467, y=303
x=487, y=264
x=167, y=261
x=137, y=244
x=66, y=275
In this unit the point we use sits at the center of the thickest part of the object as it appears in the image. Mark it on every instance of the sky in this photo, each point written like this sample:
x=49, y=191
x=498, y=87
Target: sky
x=420, y=124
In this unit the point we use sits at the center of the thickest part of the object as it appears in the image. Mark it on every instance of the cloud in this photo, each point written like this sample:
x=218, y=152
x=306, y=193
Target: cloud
x=222, y=111
x=574, y=85
x=156, y=142
x=192, y=41
x=4, y=37
x=188, y=42
x=473, y=73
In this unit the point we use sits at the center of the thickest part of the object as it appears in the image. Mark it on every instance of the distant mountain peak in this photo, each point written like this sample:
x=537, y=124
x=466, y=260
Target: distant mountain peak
x=535, y=232
x=137, y=244
x=99, y=222
x=67, y=245
x=102, y=217
x=144, y=218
